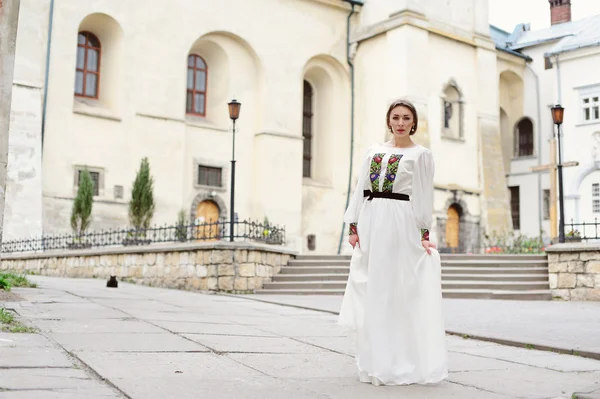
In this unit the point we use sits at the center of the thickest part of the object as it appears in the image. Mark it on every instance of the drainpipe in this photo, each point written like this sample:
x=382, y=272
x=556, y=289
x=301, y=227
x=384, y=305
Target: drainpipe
x=351, y=66
x=47, y=73
x=539, y=146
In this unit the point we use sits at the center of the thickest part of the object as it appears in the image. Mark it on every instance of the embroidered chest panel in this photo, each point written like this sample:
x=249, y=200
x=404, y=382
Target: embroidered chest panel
x=390, y=171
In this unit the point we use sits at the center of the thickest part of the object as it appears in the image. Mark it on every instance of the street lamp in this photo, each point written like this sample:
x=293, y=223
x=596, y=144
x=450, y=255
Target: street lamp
x=557, y=116
x=234, y=113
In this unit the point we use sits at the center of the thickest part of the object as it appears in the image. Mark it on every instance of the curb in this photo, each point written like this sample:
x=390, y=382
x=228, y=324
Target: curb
x=501, y=341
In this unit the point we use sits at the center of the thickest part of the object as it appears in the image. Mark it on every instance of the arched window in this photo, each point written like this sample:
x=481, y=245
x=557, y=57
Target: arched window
x=196, y=86
x=87, y=74
x=452, y=112
x=524, y=138
x=307, y=116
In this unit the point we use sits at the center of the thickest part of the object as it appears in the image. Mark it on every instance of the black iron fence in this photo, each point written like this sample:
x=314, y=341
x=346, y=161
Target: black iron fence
x=197, y=232
x=583, y=231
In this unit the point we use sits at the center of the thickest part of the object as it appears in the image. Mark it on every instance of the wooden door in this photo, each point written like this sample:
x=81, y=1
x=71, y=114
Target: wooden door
x=207, y=217
x=453, y=228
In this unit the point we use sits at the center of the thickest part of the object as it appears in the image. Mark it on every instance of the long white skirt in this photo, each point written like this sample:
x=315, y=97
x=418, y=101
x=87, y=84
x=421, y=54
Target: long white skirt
x=393, y=299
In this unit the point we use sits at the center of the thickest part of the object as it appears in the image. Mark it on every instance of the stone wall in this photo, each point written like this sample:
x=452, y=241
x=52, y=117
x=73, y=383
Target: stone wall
x=219, y=266
x=574, y=271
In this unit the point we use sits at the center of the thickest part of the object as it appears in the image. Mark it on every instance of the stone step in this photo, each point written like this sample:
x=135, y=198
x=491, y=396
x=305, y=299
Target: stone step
x=318, y=262
x=534, y=295
x=323, y=257
x=315, y=269
x=473, y=285
x=445, y=269
x=311, y=277
x=542, y=270
x=460, y=257
x=496, y=285
x=498, y=263
x=531, y=295
x=448, y=263
x=316, y=285
x=540, y=278
x=490, y=257
x=305, y=277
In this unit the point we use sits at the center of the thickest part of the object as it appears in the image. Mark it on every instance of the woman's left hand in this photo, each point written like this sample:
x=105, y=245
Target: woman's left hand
x=427, y=245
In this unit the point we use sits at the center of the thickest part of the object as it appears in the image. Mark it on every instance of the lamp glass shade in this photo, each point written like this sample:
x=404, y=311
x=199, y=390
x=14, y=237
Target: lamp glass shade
x=557, y=114
x=234, y=109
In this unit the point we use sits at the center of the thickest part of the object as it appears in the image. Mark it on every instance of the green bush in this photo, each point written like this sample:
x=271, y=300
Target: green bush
x=81, y=214
x=8, y=280
x=141, y=206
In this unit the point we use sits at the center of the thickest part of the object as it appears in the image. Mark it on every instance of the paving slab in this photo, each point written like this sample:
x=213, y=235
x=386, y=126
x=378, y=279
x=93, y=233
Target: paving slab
x=139, y=340
x=47, y=378
x=351, y=388
x=158, y=365
x=184, y=327
x=182, y=387
x=125, y=342
x=71, y=393
x=567, y=325
x=247, y=344
x=126, y=325
x=520, y=381
x=299, y=365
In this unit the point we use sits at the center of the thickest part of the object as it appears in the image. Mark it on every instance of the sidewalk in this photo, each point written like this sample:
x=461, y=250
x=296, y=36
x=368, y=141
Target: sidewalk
x=570, y=327
x=147, y=343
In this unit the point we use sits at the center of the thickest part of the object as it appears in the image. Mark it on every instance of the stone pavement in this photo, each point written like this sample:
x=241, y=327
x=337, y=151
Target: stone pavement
x=141, y=342
x=572, y=327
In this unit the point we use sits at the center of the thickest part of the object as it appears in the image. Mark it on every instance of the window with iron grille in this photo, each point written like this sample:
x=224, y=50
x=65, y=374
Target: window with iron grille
x=546, y=204
x=515, y=208
x=209, y=176
x=524, y=138
x=196, y=85
x=307, y=115
x=596, y=198
x=87, y=73
x=95, y=180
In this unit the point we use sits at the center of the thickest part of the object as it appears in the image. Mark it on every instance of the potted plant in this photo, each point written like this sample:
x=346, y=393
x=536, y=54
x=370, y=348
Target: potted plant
x=141, y=205
x=573, y=236
x=81, y=213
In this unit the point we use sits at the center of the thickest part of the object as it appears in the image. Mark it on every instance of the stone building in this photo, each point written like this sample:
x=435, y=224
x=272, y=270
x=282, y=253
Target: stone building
x=101, y=84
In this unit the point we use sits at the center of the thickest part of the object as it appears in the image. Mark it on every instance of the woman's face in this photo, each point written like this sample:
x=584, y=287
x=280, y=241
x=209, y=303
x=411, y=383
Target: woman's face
x=401, y=121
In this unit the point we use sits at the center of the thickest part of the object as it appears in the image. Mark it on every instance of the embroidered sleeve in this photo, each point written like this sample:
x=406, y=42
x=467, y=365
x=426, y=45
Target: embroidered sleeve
x=352, y=229
x=424, y=235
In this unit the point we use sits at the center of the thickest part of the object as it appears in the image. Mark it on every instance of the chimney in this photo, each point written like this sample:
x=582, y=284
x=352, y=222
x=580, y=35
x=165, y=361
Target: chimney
x=560, y=11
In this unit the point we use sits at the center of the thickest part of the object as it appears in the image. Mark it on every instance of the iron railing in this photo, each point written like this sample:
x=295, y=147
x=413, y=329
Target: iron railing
x=196, y=232
x=582, y=231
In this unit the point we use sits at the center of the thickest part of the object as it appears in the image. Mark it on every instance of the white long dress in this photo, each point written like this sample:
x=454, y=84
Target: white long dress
x=393, y=299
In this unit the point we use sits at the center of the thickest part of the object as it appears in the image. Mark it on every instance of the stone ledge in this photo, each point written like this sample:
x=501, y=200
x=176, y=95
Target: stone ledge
x=153, y=248
x=574, y=247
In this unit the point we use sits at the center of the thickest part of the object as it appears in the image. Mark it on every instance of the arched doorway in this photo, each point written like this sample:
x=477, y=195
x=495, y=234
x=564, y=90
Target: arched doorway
x=206, y=220
x=453, y=227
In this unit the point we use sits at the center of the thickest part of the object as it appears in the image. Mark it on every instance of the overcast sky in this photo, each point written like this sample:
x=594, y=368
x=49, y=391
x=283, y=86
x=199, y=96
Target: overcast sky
x=507, y=13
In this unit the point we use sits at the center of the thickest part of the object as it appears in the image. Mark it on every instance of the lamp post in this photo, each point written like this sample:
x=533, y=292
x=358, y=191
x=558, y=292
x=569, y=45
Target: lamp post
x=557, y=117
x=234, y=113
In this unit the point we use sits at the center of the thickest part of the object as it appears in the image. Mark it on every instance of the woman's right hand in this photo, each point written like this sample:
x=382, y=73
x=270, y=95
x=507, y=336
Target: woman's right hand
x=353, y=240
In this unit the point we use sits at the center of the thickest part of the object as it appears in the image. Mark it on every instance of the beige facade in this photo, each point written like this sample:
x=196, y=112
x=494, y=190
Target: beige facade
x=439, y=56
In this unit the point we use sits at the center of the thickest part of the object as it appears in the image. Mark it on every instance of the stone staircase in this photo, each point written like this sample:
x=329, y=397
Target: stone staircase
x=522, y=277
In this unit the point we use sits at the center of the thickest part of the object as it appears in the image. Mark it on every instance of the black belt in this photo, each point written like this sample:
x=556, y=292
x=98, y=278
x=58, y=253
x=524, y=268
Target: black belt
x=376, y=194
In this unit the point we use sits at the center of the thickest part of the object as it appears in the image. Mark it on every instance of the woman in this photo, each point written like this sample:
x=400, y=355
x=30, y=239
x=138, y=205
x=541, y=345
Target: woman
x=393, y=299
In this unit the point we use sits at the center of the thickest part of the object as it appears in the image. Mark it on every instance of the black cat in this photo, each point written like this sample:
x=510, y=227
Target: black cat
x=112, y=282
